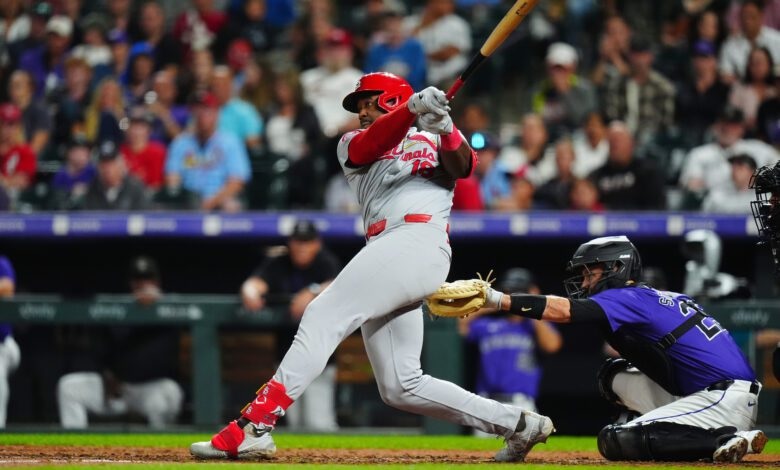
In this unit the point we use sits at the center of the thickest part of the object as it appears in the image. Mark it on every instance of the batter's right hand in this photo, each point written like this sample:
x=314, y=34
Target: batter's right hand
x=430, y=100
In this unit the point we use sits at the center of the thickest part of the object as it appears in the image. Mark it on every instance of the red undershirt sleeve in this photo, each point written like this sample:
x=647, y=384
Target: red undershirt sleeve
x=380, y=137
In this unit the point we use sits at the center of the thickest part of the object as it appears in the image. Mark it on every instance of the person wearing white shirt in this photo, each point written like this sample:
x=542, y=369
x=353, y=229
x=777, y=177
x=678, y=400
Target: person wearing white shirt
x=734, y=200
x=533, y=156
x=707, y=167
x=590, y=146
x=735, y=51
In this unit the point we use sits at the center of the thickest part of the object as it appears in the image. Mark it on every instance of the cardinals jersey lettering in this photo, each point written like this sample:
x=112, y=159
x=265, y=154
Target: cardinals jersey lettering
x=409, y=179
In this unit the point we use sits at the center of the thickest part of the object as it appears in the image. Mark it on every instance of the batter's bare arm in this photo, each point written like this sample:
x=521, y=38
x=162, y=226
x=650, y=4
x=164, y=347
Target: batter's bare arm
x=459, y=162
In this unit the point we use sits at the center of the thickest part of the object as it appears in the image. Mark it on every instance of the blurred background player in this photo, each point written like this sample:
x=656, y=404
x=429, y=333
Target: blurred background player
x=139, y=367
x=9, y=350
x=292, y=280
x=508, y=369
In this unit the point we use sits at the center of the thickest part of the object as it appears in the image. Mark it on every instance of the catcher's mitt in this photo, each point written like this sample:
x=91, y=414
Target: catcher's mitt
x=459, y=298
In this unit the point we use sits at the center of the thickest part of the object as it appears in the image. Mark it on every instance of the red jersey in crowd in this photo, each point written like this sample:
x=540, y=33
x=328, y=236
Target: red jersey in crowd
x=20, y=158
x=467, y=195
x=147, y=165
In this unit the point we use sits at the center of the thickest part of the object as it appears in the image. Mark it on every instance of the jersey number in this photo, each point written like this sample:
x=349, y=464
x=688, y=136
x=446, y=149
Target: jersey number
x=423, y=168
x=711, y=331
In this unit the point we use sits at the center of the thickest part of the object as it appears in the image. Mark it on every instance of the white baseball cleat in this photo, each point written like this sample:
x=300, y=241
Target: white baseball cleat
x=251, y=442
x=732, y=450
x=756, y=440
x=537, y=429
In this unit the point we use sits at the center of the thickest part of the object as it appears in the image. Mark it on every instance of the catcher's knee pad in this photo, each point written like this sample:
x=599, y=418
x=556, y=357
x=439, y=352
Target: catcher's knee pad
x=606, y=373
x=624, y=443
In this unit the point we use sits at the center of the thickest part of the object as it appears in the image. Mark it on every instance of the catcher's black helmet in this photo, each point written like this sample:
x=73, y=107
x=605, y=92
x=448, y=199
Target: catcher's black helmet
x=621, y=261
x=766, y=208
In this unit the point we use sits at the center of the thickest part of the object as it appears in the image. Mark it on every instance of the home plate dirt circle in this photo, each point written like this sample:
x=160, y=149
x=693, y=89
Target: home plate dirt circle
x=41, y=455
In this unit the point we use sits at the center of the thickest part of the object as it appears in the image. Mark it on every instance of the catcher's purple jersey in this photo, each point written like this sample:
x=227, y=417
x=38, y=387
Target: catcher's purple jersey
x=702, y=356
x=507, y=362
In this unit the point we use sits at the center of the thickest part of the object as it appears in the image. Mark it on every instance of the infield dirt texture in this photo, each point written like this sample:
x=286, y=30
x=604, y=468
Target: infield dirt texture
x=64, y=451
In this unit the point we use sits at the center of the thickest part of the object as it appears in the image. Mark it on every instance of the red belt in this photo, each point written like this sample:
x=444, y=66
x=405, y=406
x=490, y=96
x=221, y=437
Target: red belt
x=379, y=226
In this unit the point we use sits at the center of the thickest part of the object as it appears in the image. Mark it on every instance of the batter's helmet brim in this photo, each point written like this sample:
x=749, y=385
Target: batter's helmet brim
x=351, y=100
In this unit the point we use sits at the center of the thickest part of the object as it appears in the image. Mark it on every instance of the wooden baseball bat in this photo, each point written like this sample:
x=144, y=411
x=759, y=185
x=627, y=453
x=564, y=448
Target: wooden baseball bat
x=503, y=29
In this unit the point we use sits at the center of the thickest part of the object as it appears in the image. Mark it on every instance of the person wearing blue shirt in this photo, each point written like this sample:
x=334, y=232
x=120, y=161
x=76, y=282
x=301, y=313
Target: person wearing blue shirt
x=9, y=350
x=397, y=53
x=494, y=180
x=208, y=162
x=236, y=116
x=692, y=386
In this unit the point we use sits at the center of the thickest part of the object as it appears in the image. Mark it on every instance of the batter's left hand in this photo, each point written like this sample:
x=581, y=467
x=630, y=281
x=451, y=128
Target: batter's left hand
x=429, y=100
x=436, y=123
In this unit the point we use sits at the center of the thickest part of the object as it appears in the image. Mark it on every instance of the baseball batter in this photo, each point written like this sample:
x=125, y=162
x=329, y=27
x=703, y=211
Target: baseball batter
x=694, y=389
x=404, y=179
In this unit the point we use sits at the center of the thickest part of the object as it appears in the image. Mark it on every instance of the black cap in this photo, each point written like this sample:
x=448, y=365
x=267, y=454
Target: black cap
x=304, y=230
x=517, y=281
x=641, y=44
x=42, y=9
x=744, y=159
x=143, y=268
x=484, y=140
x=732, y=114
x=107, y=151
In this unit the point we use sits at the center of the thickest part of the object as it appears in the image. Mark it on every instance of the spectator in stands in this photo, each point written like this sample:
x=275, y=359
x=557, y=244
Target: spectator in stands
x=533, y=155
x=614, y=49
x=94, y=46
x=140, y=69
x=643, y=99
x=757, y=85
x=169, y=117
x=114, y=189
x=9, y=350
x=701, y=98
x=294, y=133
x=45, y=63
x=508, y=370
x=467, y=196
x=554, y=194
x=14, y=27
x=768, y=119
x=734, y=199
x=198, y=76
x=735, y=51
x=323, y=86
x=590, y=145
x=584, y=196
x=137, y=368
x=249, y=24
x=563, y=99
x=39, y=16
x=292, y=280
x=144, y=158
x=626, y=182
x=445, y=37
x=395, y=52
x=521, y=196
x=69, y=185
x=473, y=117
x=708, y=27
x=197, y=27
x=70, y=101
x=258, y=84
x=236, y=116
x=153, y=32
x=707, y=167
x=120, y=51
x=208, y=162
x=36, y=122
x=17, y=160
x=339, y=197
x=493, y=176
x=120, y=15
x=105, y=112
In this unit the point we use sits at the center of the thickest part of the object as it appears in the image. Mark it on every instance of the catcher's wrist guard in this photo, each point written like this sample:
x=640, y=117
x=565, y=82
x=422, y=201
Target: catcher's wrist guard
x=528, y=306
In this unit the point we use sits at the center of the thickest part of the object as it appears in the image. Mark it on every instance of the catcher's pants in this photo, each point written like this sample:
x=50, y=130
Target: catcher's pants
x=315, y=410
x=9, y=361
x=735, y=406
x=78, y=393
x=380, y=291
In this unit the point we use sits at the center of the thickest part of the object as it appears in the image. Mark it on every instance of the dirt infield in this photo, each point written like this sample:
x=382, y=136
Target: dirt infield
x=41, y=455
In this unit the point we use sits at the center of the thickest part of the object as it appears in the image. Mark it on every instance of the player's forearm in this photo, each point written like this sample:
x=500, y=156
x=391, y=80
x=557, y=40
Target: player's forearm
x=539, y=307
x=381, y=136
x=460, y=162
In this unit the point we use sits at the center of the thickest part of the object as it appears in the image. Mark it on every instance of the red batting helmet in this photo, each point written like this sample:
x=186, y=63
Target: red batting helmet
x=392, y=90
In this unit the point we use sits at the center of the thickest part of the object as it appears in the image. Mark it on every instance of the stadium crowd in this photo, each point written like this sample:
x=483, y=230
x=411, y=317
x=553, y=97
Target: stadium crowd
x=236, y=104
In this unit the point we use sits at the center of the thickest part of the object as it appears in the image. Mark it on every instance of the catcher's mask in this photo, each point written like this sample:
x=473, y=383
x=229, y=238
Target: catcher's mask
x=766, y=208
x=617, y=255
x=393, y=91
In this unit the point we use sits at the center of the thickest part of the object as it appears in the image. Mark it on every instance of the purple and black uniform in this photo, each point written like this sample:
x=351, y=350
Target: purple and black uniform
x=6, y=271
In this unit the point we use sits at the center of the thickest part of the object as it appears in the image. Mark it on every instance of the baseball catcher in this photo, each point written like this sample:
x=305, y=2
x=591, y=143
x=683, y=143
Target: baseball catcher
x=680, y=370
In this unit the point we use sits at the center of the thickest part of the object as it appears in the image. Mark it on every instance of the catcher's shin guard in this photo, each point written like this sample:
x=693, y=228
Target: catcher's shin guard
x=249, y=436
x=661, y=441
